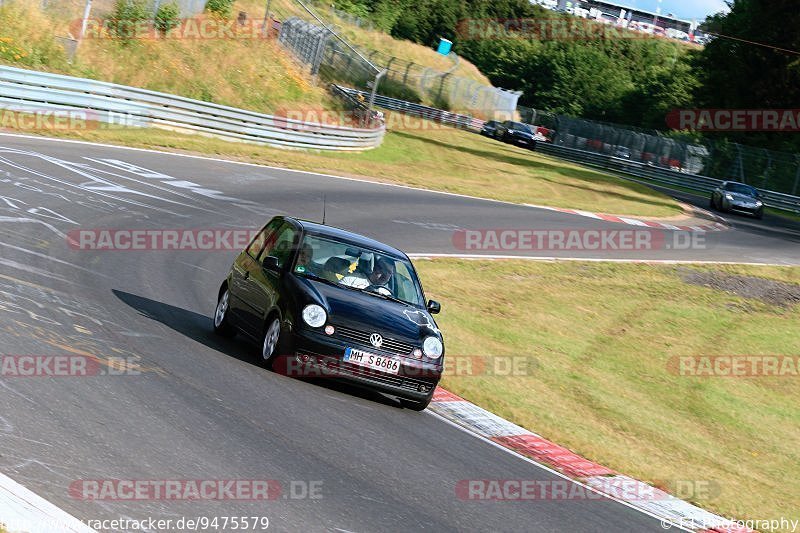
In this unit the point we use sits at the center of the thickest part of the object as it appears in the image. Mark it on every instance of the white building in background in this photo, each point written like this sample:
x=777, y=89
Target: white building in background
x=626, y=16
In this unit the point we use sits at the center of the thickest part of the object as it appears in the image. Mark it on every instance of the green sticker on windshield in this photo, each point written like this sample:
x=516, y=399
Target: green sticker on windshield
x=300, y=268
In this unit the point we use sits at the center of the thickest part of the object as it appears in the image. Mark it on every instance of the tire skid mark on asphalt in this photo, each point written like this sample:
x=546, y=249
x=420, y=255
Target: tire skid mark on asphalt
x=33, y=270
x=118, y=365
x=34, y=221
x=46, y=315
x=94, y=190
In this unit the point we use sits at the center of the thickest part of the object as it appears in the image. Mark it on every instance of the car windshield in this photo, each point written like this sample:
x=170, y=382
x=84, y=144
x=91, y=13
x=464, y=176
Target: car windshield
x=356, y=267
x=519, y=126
x=741, y=188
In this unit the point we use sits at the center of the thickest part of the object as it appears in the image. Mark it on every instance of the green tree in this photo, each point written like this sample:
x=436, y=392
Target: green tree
x=740, y=74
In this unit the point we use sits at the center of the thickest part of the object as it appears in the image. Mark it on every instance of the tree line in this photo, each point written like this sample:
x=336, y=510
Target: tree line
x=585, y=69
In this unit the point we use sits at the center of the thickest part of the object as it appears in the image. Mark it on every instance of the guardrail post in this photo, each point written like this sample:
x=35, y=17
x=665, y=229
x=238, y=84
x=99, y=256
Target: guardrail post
x=377, y=81
x=441, y=86
x=264, y=30
x=405, y=75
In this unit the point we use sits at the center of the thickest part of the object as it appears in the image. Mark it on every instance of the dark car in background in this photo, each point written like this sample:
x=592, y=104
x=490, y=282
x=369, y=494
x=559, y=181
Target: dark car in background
x=736, y=196
x=324, y=302
x=489, y=128
x=516, y=133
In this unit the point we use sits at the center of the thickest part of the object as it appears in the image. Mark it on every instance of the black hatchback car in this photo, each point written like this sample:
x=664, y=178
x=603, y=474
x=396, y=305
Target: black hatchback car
x=515, y=133
x=489, y=128
x=324, y=302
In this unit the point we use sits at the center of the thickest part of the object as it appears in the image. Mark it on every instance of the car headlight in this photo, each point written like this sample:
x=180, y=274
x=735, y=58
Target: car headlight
x=759, y=203
x=432, y=347
x=729, y=197
x=314, y=315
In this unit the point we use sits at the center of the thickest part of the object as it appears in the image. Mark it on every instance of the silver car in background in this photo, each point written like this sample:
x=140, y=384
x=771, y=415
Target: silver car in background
x=736, y=196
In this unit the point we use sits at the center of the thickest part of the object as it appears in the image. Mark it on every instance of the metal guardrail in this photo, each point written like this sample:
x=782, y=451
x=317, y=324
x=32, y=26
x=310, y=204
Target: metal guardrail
x=430, y=113
x=661, y=176
x=28, y=91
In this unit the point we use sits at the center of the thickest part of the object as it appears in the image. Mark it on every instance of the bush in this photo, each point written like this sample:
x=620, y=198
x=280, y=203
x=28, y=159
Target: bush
x=220, y=7
x=9, y=51
x=167, y=17
x=128, y=19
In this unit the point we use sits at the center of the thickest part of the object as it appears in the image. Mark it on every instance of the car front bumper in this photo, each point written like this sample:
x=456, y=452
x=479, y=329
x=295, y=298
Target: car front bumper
x=743, y=207
x=521, y=141
x=317, y=355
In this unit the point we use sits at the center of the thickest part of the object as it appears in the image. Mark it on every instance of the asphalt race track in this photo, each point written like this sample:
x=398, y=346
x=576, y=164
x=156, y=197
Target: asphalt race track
x=200, y=409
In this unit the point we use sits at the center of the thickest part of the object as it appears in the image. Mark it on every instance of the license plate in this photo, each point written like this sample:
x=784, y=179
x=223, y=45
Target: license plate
x=372, y=361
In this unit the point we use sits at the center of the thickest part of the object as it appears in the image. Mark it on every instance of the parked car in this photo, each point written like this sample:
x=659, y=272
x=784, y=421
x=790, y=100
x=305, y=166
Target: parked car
x=515, y=133
x=322, y=301
x=489, y=128
x=735, y=196
x=622, y=152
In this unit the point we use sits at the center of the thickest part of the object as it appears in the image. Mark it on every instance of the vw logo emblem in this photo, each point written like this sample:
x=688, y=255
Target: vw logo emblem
x=376, y=340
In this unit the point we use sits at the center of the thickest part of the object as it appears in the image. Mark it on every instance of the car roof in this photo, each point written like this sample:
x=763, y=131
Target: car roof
x=344, y=235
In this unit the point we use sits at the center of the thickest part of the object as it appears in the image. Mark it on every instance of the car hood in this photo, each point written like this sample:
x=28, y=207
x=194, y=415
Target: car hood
x=364, y=312
x=737, y=197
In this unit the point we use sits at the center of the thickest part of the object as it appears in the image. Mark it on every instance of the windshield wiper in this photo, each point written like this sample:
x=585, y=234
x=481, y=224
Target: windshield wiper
x=387, y=297
x=309, y=275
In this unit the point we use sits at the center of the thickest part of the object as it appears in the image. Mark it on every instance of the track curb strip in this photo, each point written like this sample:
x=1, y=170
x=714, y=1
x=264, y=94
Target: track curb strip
x=719, y=224
x=671, y=510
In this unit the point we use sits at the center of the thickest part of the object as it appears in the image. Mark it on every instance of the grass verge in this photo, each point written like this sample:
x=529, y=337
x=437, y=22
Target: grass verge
x=431, y=157
x=599, y=338
x=241, y=70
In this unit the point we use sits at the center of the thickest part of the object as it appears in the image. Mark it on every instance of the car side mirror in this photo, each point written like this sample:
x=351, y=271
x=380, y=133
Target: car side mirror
x=434, y=307
x=270, y=263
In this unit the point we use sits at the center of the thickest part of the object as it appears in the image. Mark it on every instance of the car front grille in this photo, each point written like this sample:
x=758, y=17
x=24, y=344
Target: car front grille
x=362, y=337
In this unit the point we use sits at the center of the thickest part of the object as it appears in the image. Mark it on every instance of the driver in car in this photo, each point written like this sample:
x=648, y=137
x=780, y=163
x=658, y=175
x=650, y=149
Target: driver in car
x=376, y=281
x=305, y=260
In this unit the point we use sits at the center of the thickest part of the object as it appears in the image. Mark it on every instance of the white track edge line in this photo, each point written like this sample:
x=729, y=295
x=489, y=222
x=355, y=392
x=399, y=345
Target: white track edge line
x=554, y=259
x=39, y=514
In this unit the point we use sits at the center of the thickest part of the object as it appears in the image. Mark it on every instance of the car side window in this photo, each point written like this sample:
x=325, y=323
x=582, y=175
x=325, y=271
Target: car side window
x=281, y=244
x=255, y=247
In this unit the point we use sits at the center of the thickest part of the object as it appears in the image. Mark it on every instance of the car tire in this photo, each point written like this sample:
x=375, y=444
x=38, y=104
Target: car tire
x=416, y=406
x=271, y=343
x=711, y=204
x=759, y=214
x=222, y=325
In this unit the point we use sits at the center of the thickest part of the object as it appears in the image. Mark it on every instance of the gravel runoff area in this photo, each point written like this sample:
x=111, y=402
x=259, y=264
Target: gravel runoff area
x=768, y=291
